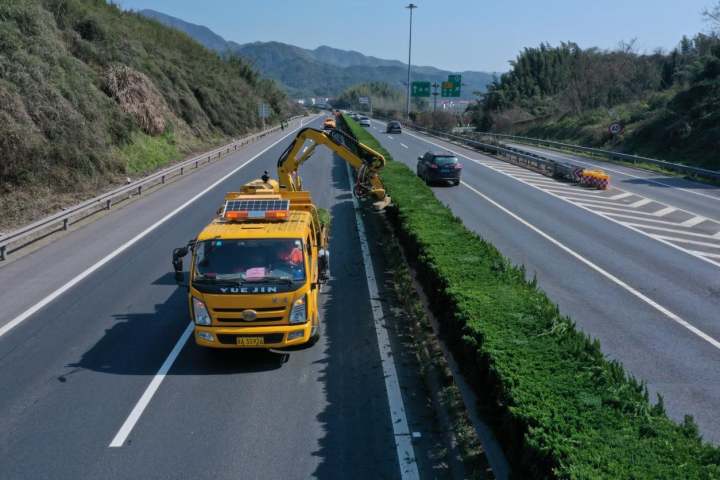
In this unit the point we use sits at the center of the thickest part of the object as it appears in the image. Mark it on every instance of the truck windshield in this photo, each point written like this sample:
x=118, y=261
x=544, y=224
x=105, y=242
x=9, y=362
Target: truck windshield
x=249, y=260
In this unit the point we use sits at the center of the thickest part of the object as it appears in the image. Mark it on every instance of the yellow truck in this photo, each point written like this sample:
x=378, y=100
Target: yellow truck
x=258, y=267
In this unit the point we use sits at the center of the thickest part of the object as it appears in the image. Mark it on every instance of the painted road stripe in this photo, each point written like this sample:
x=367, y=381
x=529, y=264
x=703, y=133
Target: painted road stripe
x=672, y=230
x=692, y=242
x=693, y=221
x=632, y=215
x=404, y=146
x=711, y=255
x=664, y=211
x=600, y=214
x=672, y=316
x=390, y=137
x=403, y=439
x=640, y=203
x=621, y=196
x=591, y=205
x=149, y=392
x=78, y=278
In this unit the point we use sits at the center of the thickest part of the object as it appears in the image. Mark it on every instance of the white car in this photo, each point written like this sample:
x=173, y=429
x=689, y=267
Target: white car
x=364, y=122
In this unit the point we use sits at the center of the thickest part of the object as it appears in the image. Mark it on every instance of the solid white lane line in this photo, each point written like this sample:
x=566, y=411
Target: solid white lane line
x=78, y=278
x=673, y=230
x=692, y=242
x=390, y=137
x=402, y=434
x=404, y=146
x=140, y=406
x=711, y=255
x=669, y=314
x=640, y=203
x=620, y=196
x=664, y=211
x=717, y=235
x=693, y=221
x=601, y=214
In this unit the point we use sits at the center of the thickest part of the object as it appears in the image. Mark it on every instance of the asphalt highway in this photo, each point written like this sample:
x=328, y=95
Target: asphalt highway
x=74, y=371
x=637, y=266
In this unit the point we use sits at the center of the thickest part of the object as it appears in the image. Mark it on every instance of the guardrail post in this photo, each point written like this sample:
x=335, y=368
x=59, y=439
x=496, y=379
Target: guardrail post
x=162, y=179
x=196, y=164
x=182, y=170
x=65, y=223
x=139, y=189
x=2, y=252
x=108, y=204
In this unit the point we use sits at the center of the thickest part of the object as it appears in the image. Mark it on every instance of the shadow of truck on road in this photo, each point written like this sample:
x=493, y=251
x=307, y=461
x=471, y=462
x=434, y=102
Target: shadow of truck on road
x=138, y=343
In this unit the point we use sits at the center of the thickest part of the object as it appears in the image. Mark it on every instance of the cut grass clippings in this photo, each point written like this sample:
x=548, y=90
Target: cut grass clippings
x=564, y=410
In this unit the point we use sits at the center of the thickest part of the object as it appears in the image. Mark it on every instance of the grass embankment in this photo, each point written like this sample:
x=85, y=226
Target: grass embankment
x=91, y=94
x=563, y=409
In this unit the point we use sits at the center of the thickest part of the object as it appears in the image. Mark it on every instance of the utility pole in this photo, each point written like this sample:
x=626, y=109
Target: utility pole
x=411, y=7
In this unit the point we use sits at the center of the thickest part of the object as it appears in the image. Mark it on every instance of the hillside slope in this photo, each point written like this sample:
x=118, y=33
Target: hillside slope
x=324, y=71
x=669, y=103
x=90, y=94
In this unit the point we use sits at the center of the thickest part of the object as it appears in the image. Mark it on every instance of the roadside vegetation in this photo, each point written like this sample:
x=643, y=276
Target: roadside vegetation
x=669, y=102
x=90, y=94
x=562, y=410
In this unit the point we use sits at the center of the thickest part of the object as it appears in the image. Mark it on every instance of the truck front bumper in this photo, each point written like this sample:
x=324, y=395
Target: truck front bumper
x=253, y=337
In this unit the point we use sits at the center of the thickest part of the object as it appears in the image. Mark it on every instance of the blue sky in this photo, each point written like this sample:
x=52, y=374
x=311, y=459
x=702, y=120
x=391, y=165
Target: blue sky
x=455, y=35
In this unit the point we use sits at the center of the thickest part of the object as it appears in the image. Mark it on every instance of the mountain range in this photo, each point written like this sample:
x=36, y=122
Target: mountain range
x=324, y=71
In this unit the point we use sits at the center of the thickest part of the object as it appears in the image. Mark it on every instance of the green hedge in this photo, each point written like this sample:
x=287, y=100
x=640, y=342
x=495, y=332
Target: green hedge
x=562, y=409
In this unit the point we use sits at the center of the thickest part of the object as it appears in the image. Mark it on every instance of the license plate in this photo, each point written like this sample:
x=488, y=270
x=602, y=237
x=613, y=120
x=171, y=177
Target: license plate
x=250, y=341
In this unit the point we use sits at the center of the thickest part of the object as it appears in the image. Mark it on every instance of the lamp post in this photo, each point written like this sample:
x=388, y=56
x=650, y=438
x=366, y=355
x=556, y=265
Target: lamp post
x=410, y=7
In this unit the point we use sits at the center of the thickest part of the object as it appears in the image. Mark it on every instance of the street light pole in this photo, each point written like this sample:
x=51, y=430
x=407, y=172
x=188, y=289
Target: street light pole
x=411, y=7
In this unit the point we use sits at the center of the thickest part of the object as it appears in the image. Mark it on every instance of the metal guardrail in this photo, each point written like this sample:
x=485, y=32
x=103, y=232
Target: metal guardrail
x=610, y=155
x=105, y=201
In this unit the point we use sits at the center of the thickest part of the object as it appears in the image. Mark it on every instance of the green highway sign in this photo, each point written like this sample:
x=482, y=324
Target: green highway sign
x=451, y=88
x=420, y=89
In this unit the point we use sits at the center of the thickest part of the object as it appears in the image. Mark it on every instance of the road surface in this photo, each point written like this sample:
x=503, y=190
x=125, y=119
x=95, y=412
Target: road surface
x=86, y=363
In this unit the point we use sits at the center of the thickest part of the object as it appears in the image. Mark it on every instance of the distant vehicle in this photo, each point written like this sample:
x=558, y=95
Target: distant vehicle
x=355, y=116
x=364, y=122
x=329, y=123
x=439, y=167
x=393, y=127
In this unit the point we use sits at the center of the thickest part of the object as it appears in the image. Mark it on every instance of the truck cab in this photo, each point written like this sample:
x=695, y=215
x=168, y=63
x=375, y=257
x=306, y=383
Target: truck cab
x=256, y=270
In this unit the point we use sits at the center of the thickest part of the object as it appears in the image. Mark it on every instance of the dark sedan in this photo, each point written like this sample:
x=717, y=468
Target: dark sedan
x=393, y=127
x=439, y=167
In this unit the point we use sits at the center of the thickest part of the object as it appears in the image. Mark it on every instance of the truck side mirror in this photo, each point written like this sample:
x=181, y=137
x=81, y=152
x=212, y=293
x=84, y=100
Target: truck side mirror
x=177, y=262
x=323, y=265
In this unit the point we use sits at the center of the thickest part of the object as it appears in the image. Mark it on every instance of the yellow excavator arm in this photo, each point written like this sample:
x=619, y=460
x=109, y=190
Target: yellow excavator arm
x=367, y=164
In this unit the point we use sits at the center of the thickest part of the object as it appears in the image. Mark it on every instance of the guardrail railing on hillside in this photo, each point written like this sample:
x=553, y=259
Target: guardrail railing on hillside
x=607, y=154
x=63, y=219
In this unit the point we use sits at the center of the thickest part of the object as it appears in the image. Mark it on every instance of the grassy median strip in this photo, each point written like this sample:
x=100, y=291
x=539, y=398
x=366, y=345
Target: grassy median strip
x=563, y=410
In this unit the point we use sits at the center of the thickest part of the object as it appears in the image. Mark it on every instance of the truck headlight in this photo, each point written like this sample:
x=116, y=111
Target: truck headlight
x=200, y=312
x=298, y=314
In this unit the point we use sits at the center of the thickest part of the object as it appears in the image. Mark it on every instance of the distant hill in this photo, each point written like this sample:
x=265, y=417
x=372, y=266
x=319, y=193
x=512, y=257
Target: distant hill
x=324, y=71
